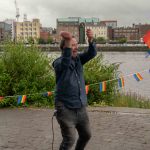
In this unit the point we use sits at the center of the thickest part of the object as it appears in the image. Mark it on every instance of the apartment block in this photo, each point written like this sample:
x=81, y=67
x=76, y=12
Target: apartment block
x=130, y=33
x=78, y=26
x=28, y=29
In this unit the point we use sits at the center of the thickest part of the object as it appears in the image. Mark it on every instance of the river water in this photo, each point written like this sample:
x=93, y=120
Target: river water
x=130, y=63
x=133, y=62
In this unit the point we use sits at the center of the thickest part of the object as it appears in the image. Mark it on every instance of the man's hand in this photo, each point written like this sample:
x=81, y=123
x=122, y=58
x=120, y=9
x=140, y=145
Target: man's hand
x=90, y=35
x=67, y=37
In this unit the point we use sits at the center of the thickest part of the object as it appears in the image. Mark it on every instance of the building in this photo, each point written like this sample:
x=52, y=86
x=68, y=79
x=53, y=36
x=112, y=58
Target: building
x=44, y=35
x=5, y=31
x=143, y=28
x=78, y=26
x=11, y=22
x=70, y=24
x=28, y=29
x=47, y=29
x=1, y=34
x=130, y=33
x=47, y=34
x=110, y=23
x=98, y=30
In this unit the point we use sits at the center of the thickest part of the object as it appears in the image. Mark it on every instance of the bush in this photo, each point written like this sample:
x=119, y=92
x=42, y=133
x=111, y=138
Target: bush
x=122, y=40
x=100, y=40
x=25, y=70
x=96, y=71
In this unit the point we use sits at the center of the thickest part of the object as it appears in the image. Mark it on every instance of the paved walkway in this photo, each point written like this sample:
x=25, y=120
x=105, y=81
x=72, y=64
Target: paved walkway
x=112, y=129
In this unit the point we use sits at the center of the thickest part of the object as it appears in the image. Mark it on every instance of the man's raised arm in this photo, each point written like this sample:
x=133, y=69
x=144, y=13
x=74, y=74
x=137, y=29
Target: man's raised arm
x=65, y=46
x=91, y=52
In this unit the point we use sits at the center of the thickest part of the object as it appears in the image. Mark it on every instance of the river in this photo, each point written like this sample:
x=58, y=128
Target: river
x=131, y=62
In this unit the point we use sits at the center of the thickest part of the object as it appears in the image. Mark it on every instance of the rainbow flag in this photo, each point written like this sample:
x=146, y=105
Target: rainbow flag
x=102, y=86
x=47, y=94
x=22, y=99
x=1, y=98
x=138, y=77
x=87, y=89
x=121, y=82
x=148, y=54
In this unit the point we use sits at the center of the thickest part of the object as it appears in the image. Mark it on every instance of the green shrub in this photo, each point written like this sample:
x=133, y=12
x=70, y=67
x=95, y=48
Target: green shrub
x=25, y=70
x=96, y=71
x=100, y=40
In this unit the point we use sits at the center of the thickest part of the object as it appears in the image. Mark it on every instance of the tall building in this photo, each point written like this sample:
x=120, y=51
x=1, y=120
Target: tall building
x=28, y=29
x=1, y=34
x=5, y=31
x=11, y=22
x=98, y=30
x=70, y=24
x=78, y=26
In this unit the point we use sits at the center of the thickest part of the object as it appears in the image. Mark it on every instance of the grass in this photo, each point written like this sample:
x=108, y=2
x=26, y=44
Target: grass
x=127, y=100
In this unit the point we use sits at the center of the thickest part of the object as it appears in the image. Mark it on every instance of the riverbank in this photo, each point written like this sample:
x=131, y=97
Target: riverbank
x=104, y=48
x=100, y=47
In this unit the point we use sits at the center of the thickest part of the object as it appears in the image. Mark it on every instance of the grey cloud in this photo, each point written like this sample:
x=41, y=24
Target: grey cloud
x=125, y=11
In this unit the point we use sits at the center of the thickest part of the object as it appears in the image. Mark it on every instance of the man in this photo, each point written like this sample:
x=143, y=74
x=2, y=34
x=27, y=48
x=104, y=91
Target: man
x=70, y=95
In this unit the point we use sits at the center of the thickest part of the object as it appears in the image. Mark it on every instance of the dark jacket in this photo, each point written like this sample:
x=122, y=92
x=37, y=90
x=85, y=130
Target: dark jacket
x=70, y=85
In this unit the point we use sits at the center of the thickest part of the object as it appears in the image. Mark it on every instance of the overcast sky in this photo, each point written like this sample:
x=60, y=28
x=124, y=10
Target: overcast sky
x=125, y=12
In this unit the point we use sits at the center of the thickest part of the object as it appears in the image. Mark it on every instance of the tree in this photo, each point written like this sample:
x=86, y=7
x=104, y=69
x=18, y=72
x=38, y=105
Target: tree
x=50, y=40
x=100, y=40
x=30, y=40
x=41, y=41
x=122, y=40
x=25, y=70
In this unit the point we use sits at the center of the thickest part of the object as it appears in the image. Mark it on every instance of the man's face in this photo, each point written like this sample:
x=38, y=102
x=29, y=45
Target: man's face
x=74, y=47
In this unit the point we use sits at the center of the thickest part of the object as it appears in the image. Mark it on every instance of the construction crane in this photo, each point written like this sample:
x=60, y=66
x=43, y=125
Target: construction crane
x=17, y=11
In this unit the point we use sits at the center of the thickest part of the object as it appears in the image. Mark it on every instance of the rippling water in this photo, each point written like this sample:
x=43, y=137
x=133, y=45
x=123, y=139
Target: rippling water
x=131, y=62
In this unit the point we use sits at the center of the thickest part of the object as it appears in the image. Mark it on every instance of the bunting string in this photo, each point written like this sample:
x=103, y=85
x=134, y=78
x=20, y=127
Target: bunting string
x=102, y=86
x=125, y=76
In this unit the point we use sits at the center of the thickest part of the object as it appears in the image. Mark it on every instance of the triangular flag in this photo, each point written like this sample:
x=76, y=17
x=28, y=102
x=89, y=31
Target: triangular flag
x=121, y=82
x=147, y=54
x=47, y=94
x=21, y=99
x=138, y=77
x=1, y=98
x=146, y=38
x=87, y=89
x=102, y=86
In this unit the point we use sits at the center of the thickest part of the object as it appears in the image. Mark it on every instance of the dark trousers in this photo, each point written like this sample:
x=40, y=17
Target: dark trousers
x=71, y=120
